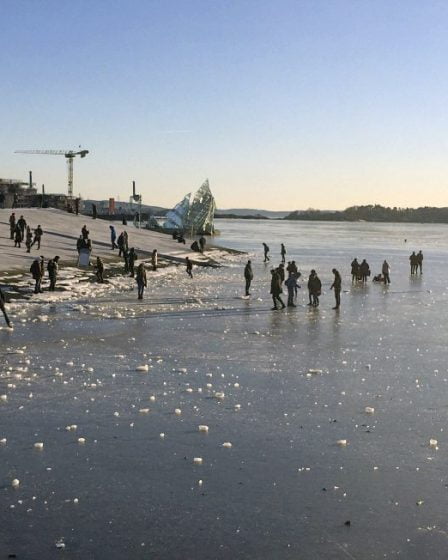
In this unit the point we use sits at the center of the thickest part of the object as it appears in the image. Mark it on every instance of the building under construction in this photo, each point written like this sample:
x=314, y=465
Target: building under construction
x=15, y=193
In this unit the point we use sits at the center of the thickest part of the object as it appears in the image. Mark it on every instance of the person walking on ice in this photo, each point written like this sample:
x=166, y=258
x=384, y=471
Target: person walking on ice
x=141, y=280
x=276, y=289
x=266, y=253
x=3, y=308
x=283, y=253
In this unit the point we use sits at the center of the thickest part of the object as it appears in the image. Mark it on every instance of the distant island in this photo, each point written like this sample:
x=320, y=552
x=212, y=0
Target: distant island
x=374, y=213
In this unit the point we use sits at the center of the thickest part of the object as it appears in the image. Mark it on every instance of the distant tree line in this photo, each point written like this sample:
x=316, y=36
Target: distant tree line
x=374, y=213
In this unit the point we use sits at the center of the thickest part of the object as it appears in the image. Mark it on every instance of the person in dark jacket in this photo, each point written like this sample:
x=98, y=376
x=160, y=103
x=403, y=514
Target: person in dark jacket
x=276, y=289
x=337, y=287
x=12, y=225
x=248, y=275
x=38, y=232
x=154, y=259
x=28, y=239
x=100, y=270
x=413, y=261
x=291, y=284
x=3, y=308
x=21, y=222
x=420, y=262
x=281, y=271
x=53, y=269
x=17, y=236
x=283, y=252
x=141, y=280
x=84, y=232
x=113, y=237
x=364, y=270
x=37, y=271
x=120, y=244
x=314, y=288
x=385, y=270
x=355, y=270
x=189, y=267
x=266, y=253
x=132, y=257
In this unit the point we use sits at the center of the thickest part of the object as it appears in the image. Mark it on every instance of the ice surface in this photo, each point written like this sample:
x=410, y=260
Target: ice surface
x=135, y=479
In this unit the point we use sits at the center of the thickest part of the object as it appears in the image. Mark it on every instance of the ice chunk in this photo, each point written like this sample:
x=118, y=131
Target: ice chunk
x=38, y=445
x=219, y=395
x=314, y=370
x=143, y=368
x=144, y=410
x=369, y=410
x=203, y=428
x=15, y=483
x=177, y=411
x=162, y=435
x=4, y=397
x=433, y=443
x=197, y=460
x=227, y=444
x=342, y=442
x=81, y=440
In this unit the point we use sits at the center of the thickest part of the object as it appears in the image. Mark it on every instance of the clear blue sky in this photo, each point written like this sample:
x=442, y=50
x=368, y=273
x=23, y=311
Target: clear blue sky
x=281, y=104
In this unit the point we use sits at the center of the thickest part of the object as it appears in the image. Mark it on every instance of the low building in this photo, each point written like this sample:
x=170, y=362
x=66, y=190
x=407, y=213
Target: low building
x=13, y=192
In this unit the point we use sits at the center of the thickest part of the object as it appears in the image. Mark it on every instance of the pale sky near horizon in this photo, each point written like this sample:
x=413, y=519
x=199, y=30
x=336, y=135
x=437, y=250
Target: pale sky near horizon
x=281, y=104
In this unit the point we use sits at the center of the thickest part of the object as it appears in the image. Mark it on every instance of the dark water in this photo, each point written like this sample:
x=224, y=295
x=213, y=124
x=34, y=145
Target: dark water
x=285, y=489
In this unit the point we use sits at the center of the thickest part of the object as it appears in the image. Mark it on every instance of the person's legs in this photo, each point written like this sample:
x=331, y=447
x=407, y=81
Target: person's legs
x=5, y=315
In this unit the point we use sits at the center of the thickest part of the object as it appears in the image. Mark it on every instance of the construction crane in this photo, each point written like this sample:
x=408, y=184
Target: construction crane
x=68, y=154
